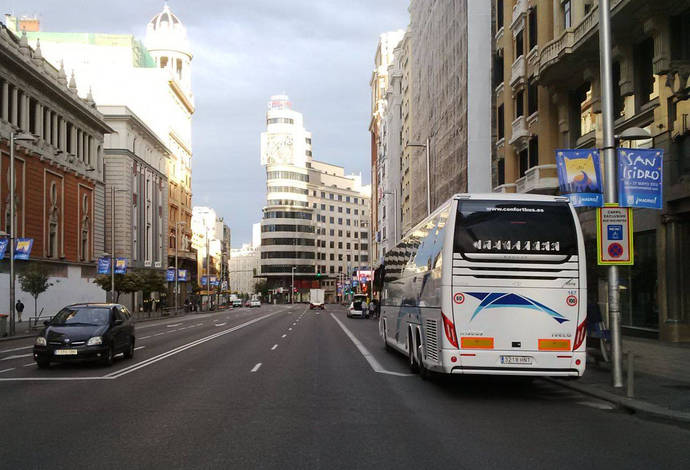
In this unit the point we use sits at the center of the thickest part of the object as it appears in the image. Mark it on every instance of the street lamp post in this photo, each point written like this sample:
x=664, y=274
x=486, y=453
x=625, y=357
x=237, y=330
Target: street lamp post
x=14, y=137
x=292, y=287
x=208, y=272
x=177, y=241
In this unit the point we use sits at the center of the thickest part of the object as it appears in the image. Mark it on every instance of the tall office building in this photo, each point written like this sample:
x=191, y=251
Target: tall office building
x=315, y=225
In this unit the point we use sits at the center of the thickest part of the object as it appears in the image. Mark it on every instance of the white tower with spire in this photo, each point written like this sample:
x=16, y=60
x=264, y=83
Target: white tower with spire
x=167, y=42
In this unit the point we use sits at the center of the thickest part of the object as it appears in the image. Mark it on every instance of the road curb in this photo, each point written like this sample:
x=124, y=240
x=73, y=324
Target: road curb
x=630, y=404
x=12, y=338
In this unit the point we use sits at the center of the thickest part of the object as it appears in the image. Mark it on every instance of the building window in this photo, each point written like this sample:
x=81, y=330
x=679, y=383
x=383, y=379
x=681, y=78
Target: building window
x=532, y=98
x=618, y=100
x=524, y=162
x=54, y=215
x=501, y=170
x=498, y=70
x=533, y=151
x=532, y=27
x=567, y=19
x=340, y=210
x=85, y=252
x=643, y=57
x=340, y=245
x=519, y=44
x=499, y=122
x=519, y=104
x=499, y=14
x=332, y=257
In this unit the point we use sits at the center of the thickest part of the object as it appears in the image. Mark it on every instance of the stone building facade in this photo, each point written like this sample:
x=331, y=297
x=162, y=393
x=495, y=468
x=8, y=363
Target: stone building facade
x=59, y=194
x=547, y=96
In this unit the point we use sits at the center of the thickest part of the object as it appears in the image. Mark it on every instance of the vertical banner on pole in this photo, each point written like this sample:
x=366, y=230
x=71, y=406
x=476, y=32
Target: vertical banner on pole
x=640, y=177
x=579, y=176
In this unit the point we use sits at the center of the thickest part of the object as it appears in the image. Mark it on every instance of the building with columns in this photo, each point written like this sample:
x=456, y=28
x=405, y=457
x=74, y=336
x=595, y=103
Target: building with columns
x=547, y=94
x=152, y=79
x=59, y=194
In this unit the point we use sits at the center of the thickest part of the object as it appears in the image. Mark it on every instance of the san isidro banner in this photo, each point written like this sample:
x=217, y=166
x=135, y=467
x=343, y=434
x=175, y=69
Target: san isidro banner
x=640, y=178
x=579, y=176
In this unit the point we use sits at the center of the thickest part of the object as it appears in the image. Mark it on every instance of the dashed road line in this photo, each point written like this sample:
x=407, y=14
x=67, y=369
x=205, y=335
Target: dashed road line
x=220, y=324
x=15, y=349
x=145, y=337
x=29, y=364
x=139, y=347
x=274, y=347
x=6, y=370
x=284, y=336
x=173, y=325
x=16, y=356
x=289, y=329
x=256, y=367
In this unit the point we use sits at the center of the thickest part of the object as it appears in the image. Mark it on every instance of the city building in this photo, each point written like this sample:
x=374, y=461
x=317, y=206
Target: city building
x=153, y=80
x=548, y=96
x=451, y=102
x=379, y=84
x=244, y=266
x=315, y=225
x=135, y=164
x=211, y=240
x=59, y=192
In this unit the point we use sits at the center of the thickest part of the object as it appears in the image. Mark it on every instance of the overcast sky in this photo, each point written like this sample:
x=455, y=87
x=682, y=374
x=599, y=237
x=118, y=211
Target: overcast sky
x=319, y=52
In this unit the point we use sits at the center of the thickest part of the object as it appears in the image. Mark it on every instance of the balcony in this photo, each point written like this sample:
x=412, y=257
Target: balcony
x=520, y=135
x=571, y=40
x=518, y=72
x=505, y=188
x=519, y=15
x=541, y=179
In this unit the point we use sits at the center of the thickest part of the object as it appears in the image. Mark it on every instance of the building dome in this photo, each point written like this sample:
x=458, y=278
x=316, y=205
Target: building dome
x=165, y=32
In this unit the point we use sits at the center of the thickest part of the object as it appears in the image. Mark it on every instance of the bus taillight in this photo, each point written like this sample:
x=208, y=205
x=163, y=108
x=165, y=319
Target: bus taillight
x=449, y=328
x=580, y=334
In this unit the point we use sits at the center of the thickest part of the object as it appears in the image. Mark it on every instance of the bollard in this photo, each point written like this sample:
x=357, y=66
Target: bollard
x=630, y=393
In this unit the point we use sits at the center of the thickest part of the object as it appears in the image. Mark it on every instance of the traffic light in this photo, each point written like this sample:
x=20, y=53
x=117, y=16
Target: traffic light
x=318, y=275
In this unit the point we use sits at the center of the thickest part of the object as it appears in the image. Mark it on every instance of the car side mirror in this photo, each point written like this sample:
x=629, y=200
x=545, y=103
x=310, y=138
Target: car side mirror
x=119, y=321
x=46, y=322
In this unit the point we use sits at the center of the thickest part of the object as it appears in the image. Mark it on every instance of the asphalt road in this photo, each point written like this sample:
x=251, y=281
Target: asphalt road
x=285, y=387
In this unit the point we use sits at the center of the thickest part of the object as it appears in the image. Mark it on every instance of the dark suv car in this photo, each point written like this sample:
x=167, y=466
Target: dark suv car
x=84, y=332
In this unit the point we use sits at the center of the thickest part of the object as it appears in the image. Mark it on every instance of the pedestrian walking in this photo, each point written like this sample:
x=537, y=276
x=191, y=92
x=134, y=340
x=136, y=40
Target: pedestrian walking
x=365, y=308
x=19, y=308
x=372, y=308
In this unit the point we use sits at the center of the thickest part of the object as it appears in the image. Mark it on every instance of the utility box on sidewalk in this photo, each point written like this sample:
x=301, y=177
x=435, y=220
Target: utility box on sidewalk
x=3, y=324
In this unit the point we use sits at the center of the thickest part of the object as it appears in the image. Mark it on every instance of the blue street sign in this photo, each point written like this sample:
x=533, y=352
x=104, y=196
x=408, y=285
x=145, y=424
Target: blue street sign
x=579, y=176
x=170, y=275
x=22, y=248
x=103, y=265
x=3, y=246
x=640, y=178
x=615, y=232
x=182, y=275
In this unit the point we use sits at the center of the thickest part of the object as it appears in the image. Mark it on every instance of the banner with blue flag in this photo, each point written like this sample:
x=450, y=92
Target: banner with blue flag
x=579, y=176
x=170, y=275
x=22, y=248
x=640, y=178
x=103, y=265
x=3, y=246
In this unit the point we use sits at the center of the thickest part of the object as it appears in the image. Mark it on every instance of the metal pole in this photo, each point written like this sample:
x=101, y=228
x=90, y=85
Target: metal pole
x=177, y=241
x=609, y=154
x=208, y=272
x=112, y=241
x=428, y=178
x=12, y=235
x=292, y=287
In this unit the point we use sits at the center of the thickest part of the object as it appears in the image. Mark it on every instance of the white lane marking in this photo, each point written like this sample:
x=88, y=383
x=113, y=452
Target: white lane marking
x=256, y=367
x=274, y=347
x=294, y=324
x=173, y=325
x=284, y=336
x=158, y=334
x=145, y=337
x=15, y=349
x=138, y=348
x=289, y=329
x=6, y=370
x=367, y=355
x=220, y=324
x=30, y=364
x=184, y=328
x=181, y=348
x=16, y=356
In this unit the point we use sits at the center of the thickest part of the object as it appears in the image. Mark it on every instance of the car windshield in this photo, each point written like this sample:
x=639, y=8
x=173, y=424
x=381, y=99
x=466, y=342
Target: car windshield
x=81, y=316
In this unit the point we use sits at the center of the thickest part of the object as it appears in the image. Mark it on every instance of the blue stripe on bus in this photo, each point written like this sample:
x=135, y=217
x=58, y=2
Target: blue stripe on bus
x=501, y=299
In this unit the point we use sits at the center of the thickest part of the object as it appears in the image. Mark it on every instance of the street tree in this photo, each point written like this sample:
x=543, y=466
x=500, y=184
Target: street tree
x=124, y=283
x=34, y=280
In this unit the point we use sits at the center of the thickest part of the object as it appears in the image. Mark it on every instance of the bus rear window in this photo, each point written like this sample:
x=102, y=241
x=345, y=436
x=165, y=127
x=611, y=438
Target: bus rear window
x=515, y=227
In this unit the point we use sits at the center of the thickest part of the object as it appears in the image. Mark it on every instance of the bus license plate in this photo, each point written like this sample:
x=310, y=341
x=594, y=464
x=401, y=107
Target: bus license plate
x=516, y=360
x=65, y=352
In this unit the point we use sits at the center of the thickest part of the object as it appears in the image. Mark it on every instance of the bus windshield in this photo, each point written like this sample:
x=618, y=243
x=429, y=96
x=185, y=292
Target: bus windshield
x=515, y=227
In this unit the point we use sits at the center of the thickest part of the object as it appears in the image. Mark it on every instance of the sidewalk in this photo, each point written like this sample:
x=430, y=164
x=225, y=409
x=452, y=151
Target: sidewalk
x=662, y=380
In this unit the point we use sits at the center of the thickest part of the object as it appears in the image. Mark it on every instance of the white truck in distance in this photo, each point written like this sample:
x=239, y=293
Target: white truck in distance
x=316, y=299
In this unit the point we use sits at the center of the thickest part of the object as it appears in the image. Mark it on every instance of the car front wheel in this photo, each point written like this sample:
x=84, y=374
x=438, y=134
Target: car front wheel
x=129, y=354
x=109, y=356
x=43, y=363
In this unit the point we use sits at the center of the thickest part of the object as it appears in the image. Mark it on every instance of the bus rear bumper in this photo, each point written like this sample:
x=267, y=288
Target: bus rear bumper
x=541, y=363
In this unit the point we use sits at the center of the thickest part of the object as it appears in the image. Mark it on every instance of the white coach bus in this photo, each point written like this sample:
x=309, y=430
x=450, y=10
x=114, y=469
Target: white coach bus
x=489, y=284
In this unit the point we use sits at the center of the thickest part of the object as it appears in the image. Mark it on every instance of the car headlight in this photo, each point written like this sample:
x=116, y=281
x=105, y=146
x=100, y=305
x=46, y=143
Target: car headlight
x=40, y=341
x=95, y=341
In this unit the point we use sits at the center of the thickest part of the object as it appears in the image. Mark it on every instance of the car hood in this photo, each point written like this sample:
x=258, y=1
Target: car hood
x=74, y=333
